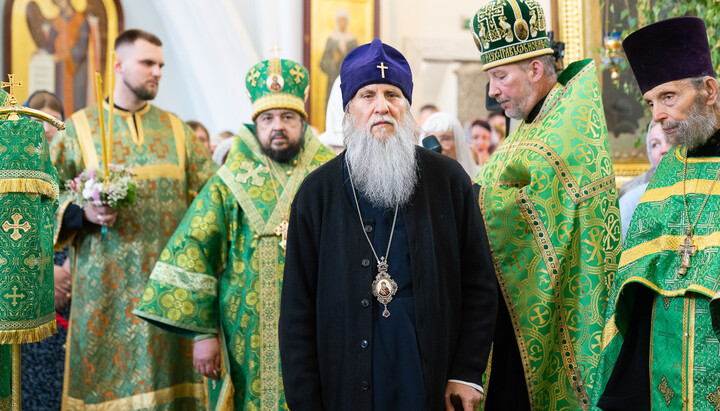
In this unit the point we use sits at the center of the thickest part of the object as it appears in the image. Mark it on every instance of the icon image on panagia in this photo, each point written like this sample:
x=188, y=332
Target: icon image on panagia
x=57, y=45
x=339, y=43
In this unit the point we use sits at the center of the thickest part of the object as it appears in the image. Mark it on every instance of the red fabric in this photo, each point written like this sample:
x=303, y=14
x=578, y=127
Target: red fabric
x=61, y=321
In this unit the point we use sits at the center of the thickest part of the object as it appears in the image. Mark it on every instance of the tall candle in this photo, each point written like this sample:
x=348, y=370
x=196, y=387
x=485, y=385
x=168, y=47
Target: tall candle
x=98, y=94
x=111, y=81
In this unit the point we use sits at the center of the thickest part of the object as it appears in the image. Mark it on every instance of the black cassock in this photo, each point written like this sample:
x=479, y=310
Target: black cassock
x=337, y=351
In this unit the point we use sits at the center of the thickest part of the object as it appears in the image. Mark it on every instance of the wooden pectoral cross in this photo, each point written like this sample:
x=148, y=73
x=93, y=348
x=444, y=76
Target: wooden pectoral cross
x=281, y=231
x=686, y=250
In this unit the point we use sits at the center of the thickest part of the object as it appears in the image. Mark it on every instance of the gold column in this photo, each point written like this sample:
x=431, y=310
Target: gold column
x=580, y=28
x=570, y=16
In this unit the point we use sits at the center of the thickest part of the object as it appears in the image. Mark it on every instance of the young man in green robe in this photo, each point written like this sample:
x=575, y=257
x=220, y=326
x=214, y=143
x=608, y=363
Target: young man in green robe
x=219, y=278
x=550, y=206
x=114, y=360
x=660, y=351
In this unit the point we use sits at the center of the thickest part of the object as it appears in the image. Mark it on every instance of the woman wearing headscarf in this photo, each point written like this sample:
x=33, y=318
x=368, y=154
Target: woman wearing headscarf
x=451, y=136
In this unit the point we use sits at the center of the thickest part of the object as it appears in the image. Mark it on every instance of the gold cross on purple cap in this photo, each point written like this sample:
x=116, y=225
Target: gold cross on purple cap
x=382, y=68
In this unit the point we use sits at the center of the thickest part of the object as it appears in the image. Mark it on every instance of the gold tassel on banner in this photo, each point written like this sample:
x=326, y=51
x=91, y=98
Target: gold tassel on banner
x=28, y=336
x=28, y=185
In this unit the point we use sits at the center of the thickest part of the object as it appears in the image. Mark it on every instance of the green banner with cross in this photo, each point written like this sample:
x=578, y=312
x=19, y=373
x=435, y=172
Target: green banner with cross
x=28, y=198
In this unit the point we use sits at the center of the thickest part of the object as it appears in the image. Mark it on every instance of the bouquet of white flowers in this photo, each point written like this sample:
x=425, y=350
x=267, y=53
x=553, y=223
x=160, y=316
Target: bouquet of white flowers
x=89, y=187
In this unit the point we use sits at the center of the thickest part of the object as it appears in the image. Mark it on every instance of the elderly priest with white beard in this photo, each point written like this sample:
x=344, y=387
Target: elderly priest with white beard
x=389, y=296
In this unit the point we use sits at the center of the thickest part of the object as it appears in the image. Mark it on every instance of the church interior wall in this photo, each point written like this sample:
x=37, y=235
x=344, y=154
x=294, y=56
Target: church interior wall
x=204, y=75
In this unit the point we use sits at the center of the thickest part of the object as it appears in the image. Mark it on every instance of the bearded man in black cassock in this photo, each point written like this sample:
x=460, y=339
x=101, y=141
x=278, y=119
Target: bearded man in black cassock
x=389, y=298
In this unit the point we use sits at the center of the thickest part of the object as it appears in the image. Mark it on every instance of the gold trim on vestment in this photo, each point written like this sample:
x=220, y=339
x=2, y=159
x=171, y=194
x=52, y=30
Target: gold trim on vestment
x=29, y=181
x=60, y=214
x=689, y=325
x=178, y=130
x=552, y=265
x=141, y=401
x=139, y=137
x=609, y=332
x=226, y=398
x=514, y=318
x=269, y=313
x=28, y=185
x=676, y=293
x=694, y=160
x=132, y=119
x=696, y=186
x=228, y=177
x=22, y=335
x=667, y=243
x=126, y=113
x=191, y=281
x=652, y=343
x=158, y=171
x=85, y=140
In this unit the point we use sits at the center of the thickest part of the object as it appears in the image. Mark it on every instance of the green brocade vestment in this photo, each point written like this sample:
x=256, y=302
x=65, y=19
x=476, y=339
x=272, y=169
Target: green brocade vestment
x=114, y=360
x=550, y=205
x=223, y=267
x=684, y=352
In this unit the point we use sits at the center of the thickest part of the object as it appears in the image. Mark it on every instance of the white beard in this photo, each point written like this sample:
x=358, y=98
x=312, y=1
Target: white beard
x=699, y=125
x=384, y=172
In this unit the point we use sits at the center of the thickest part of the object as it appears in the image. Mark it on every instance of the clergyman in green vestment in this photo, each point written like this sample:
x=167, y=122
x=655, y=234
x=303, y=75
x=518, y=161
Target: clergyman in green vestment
x=659, y=349
x=220, y=276
x=549, y=200
x=114, y=360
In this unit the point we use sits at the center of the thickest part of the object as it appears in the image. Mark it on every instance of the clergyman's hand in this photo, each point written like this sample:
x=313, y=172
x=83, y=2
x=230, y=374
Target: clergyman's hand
x=100, y=215
x=469, y=396
x=206, y=358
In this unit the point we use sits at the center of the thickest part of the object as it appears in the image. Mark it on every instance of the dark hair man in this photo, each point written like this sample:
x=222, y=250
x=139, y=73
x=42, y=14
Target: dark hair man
x=116, y=360
x=227, y=255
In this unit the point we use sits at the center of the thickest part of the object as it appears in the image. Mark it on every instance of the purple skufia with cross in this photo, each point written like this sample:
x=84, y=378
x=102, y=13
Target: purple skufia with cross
x=374, y=63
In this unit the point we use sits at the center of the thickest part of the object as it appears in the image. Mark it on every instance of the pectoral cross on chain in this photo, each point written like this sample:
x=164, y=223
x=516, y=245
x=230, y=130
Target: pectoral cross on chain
x=686, y=250
x=382, y=68
x=281, y=231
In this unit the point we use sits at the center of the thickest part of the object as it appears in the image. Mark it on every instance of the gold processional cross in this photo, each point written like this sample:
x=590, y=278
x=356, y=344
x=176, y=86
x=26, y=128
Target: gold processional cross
x=686, y=250
x=12, y=84
x=382, y=68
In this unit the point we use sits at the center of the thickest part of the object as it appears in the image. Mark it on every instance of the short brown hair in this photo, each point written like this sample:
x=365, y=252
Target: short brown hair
x=132, y=35
x=41, y=99
x=195, y=125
